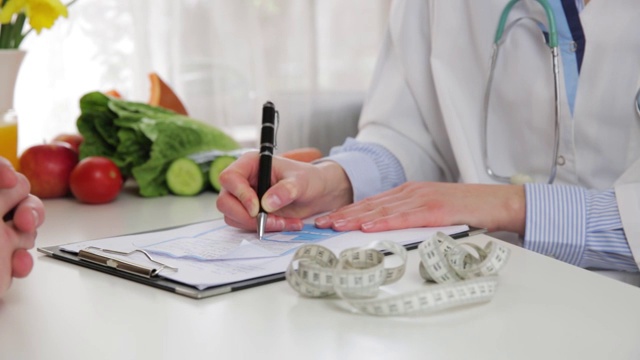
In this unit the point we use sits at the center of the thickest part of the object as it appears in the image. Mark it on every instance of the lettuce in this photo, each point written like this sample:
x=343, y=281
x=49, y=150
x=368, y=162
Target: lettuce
x=143, y=140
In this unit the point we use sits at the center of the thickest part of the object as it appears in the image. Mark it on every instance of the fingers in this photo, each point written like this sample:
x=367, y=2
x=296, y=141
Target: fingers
x=398, y=208
x=237, y=216
x=21, y=263
x=372, y=216
x=235, y=213
x=494, y=207
x=29, y=214
x=237, y=180
x=289, y=199
x=10, y=197
x=351, y=217
x=274, y=223
x=8, y=176
x=280, y=195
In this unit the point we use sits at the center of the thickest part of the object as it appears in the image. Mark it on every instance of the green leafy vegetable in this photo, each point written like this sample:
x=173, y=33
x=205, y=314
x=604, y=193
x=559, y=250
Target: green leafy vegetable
x=142, y=139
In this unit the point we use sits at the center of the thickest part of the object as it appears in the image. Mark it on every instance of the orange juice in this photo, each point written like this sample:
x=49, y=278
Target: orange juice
x=9, y=142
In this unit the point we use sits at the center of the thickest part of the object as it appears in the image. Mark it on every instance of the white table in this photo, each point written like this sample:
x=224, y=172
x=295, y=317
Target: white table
x=543, y=309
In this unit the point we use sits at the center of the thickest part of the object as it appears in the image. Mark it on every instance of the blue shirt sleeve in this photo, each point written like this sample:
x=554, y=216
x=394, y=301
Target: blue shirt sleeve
x=371, y=168
x=578, y=226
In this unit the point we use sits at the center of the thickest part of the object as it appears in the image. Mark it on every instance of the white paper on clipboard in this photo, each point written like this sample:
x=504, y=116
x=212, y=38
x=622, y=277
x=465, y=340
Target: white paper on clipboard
x=211, y=253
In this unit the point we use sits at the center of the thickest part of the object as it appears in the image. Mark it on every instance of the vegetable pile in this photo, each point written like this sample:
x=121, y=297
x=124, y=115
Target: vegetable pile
x=143, y=140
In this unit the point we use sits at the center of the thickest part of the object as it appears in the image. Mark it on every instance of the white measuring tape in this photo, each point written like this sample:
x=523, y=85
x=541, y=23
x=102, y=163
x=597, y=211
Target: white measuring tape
x=465, y=273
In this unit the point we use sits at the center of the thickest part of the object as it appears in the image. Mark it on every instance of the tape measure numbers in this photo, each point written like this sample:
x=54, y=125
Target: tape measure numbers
x=465, y=274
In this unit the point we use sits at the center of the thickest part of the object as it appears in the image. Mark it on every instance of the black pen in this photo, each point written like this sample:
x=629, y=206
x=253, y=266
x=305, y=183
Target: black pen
x=468, y=233
x=268, y=131
x=9, y=216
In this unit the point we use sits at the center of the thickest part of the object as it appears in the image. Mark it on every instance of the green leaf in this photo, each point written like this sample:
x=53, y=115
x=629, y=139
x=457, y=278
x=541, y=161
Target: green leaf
x=143, y=140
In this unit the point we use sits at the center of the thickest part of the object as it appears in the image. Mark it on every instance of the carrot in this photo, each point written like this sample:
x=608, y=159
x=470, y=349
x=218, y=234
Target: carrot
x=305, y=154
x=113, y=93
x=163, y=96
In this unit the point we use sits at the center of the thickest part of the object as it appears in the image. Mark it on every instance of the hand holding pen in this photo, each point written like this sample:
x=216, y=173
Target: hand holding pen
x=268, y=133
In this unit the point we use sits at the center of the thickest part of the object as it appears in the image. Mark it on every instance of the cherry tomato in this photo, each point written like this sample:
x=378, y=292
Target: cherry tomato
x=95, y=180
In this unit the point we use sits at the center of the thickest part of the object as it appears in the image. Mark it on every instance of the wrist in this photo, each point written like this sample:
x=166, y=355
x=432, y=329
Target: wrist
x=337, y=189
x=514, y=210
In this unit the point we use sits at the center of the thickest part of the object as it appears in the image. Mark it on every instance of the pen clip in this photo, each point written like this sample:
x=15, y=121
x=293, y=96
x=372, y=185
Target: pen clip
x=276, y=121
x=272, y=144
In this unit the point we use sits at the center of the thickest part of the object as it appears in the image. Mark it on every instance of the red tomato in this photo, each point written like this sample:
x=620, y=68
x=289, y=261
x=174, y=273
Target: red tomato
x=95, y=180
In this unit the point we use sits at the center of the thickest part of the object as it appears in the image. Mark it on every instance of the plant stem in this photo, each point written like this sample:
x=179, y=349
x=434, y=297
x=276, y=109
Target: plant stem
x=5, y=29
x=16, y=34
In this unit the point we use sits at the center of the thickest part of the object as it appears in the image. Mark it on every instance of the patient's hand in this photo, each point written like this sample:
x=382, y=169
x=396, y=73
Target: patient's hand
x=22, y=214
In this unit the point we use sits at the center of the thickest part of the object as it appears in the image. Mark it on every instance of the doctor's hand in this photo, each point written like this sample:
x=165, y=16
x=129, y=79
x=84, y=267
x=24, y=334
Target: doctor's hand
x=298, y=190
x=22, y=213
x=428, y=204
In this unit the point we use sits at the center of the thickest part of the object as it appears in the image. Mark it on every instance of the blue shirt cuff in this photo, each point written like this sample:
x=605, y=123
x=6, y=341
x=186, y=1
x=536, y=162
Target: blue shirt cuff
x=371, y=168
x=578, y=226
x=555, y=221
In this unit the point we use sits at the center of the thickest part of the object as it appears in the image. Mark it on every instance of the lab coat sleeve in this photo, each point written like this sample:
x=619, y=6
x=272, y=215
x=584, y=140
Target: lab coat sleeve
x=401, y=110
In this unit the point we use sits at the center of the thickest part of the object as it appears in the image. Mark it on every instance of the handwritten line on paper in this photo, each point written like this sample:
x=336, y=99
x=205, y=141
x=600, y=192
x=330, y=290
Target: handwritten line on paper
x=220, y=244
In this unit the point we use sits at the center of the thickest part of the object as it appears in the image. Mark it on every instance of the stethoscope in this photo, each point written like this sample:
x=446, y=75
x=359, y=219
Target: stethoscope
x=553, y=45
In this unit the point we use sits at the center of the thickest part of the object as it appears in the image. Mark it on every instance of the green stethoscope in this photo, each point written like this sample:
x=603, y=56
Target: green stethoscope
x=553, y=45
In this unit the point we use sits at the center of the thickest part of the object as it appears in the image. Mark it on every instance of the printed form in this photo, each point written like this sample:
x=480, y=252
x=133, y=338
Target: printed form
x=213, y=253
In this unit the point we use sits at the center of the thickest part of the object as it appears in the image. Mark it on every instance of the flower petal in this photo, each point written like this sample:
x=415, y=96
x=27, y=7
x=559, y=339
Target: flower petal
x=43, y=13
x=11, y=8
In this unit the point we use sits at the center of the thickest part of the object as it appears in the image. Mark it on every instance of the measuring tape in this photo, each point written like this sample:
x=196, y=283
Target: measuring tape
x=465, y=274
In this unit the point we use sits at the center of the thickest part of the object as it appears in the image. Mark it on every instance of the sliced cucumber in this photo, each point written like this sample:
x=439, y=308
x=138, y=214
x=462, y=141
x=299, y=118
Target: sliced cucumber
x=185, y=177
x=220, y=163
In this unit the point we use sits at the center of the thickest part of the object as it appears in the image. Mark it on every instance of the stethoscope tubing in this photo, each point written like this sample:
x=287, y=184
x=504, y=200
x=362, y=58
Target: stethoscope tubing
x=501, y=33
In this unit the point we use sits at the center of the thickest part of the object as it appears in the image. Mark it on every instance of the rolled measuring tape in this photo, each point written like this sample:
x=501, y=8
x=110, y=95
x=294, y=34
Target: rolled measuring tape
x=465, y=274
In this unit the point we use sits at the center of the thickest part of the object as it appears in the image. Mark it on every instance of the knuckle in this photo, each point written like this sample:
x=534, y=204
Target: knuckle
x=225, y=176
x=24, y=186
x=404, y=219
x=368, y=204
x=385, y=210
x=221, y=200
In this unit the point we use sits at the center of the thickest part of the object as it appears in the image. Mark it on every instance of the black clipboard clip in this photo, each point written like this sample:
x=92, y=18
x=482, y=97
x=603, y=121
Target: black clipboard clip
x=123, y=265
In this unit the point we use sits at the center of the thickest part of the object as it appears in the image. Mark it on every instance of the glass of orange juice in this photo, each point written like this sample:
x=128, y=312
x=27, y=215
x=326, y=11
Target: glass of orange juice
x=9, y=138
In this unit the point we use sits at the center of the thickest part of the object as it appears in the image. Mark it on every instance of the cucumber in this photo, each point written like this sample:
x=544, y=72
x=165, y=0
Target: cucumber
x=185, y=177
x=220, y=163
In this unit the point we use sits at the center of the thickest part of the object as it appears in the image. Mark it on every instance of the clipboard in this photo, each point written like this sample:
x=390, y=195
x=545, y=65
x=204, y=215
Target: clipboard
x=150, y=276
x=122, y=256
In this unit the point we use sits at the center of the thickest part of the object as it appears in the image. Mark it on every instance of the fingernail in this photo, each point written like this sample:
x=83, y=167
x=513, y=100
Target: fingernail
x=296, y=227
x=272, y=203
x=367, y=226
x=36, y=217
x=323, y=221
x=253, y=208
x=276, y=224
x=340, y=223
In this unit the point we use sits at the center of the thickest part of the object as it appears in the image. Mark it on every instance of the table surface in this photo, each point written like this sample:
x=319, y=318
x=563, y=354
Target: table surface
x=543, y=309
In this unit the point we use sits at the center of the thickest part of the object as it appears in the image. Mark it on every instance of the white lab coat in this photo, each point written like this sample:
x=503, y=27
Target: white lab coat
x=427, y=99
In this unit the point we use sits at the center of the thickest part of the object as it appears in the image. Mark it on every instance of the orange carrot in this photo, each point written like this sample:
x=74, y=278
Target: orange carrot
x=305, y=154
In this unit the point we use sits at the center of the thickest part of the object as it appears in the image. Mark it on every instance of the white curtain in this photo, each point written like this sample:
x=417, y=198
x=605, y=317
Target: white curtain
x=224, y=58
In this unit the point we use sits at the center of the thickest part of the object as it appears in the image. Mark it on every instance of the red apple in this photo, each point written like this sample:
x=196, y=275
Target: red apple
x=72, y=139
x=48, y=168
